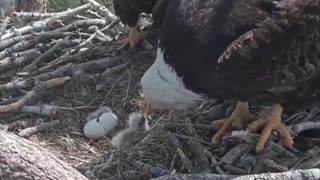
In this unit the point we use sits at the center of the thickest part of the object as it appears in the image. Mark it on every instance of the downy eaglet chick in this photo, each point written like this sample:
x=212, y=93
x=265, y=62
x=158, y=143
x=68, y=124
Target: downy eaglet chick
x=136, y=123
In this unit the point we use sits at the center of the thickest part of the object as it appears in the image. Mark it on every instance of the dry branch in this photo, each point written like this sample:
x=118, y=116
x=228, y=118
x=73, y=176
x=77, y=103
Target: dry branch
x=235, y=153
x=82, y=23
x=25, y=57
x=4, y=25
x=17, y=85
x=31, y=94
x=186, y=162
x=298, y=128
x=102, y=9
x=34, y=15
x=310, y=174
x=198, y=151
x=9, y=42
x=23, y=159
x=68, y=69
x=197, y=126
x=47, y=110
x=43, y=127
x=57, y=47
x=155, y=171
x=64, y=14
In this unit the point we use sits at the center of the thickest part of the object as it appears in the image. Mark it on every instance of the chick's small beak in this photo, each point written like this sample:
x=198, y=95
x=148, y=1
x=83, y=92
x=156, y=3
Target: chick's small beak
x=147, y=110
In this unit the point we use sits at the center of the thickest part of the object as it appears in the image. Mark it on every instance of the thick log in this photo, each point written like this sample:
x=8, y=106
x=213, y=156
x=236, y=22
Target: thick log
x=23, y=159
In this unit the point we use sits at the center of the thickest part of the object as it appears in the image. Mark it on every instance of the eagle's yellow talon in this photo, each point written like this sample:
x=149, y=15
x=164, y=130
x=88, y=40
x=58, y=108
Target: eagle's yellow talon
x=271, y=121
x=239, y=119
x=134, y=38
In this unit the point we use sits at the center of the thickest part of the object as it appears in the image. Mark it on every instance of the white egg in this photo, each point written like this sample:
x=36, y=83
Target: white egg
x=99, y=127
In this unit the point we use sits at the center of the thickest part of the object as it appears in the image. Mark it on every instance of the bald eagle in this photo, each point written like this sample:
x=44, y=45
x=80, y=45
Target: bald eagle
x=243, y=50
x=129, y=11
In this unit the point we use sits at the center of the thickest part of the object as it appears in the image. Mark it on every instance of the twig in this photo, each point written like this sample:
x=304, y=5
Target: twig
x=155, y=171
x=202, y=176
x=31, y=94
x=186, y=162
x=69, y=68
x=102, y=9
x=4, y=25
x=272, y=164
x=310, y=174
x=235, y=153
x=110, y=71
x=198, y=152
x=47, y=110
x=24, y=58
x=214, y=162
x=65, y=14
x=57, y=47
x=188, y=138
x=234, y=170
x=21, y=46
x=82, y=23
x=9, y=42
x=34, y=15
x=47, y=126
x=17, y=85
x=298, y=128
x=197, y=126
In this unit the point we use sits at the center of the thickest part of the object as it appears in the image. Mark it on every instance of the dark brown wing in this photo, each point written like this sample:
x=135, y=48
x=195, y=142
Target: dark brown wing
x=268, y=50
x=195, y=33
x=129, y=10
x=284, y=51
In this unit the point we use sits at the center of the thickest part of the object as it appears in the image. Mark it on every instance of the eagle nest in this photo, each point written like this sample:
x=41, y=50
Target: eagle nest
x=56, y=68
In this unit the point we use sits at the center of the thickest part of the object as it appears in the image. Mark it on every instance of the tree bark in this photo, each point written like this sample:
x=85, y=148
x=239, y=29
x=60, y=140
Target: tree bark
x=22, y=159
x=31, y=5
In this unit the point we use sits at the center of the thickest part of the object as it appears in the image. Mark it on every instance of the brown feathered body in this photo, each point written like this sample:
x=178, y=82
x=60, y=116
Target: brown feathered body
x=129, y=10
x=237, y=49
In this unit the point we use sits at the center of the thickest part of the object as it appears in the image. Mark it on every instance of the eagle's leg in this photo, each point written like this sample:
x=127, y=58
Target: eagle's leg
x=134, y=38
x=239, y=119
x=268, y=122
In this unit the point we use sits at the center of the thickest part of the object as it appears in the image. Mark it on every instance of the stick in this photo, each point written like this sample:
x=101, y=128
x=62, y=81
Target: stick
x=31, y=94
x=87, y=66
x=110, y=71
x=57, y=47
x=21, y=46
x=235, y=153
x=188, y=138
x=9, y=42
x=17, y=85
x=47, y=126
x=24, y=58
x=4, y=25
x=310, y=174
x=34, y=15
x=47, y=110
x=64, y=14
x=197, y=151
x=203, y=176
x=197, y=126
x=298, y=128
x=82, y=23
x=102, y=9
x=186, y=162
x=155, y=171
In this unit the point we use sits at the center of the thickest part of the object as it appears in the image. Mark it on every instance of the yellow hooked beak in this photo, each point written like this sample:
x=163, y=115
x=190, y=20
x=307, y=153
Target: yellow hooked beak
x=147, y=110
